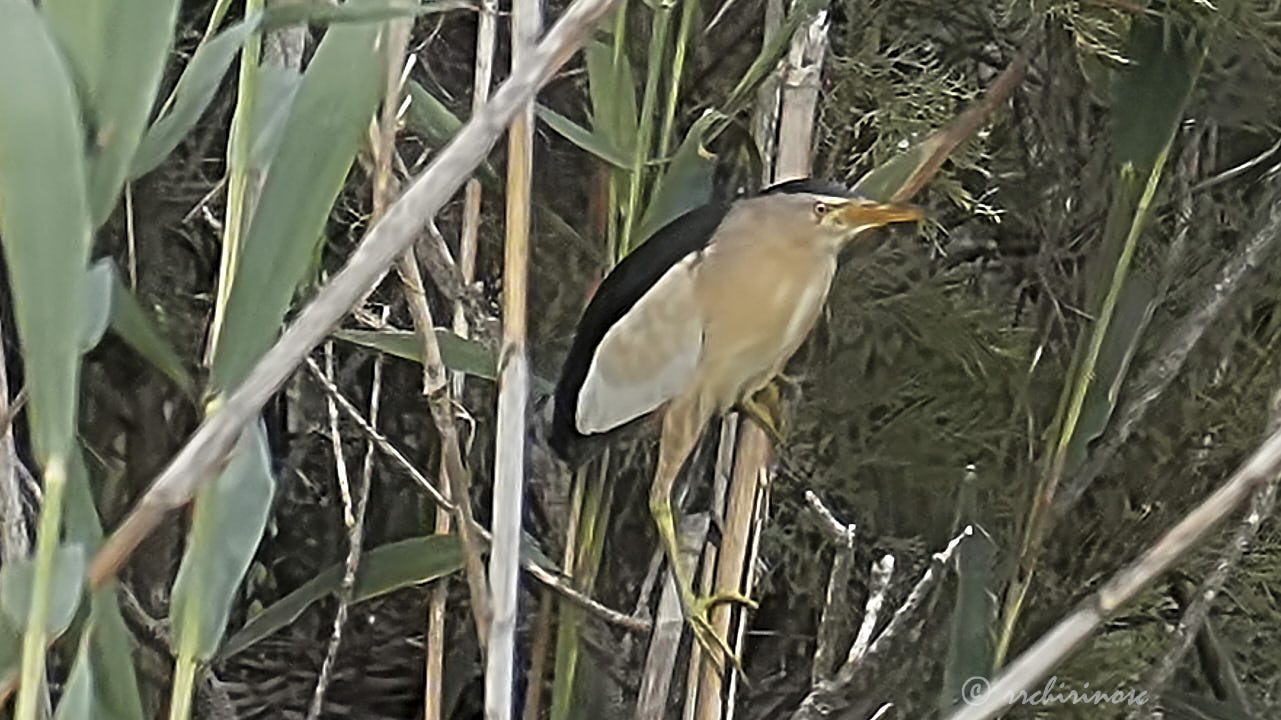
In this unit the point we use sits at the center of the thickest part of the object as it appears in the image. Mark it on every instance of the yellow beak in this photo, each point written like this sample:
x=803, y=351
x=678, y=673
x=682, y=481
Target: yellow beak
x=863, y=214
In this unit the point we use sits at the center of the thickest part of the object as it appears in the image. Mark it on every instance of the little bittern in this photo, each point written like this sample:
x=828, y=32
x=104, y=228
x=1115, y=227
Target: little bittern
x=699, y=318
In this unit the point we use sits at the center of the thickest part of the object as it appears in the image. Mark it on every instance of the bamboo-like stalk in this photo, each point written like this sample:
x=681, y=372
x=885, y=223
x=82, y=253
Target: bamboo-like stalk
x=439, y=400
x=760, y=515
x=669, y=624
x=751, y=461
x=513, y=385
x=800, y=76
x=723, y=474
x=196, y=461
x=32, y=692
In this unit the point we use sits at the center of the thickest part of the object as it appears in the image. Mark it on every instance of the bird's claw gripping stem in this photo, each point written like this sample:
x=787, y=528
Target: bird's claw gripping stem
x=698, y=615
x=765, y=408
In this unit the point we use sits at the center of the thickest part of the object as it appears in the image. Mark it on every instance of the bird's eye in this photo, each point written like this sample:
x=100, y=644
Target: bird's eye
x=820, y=208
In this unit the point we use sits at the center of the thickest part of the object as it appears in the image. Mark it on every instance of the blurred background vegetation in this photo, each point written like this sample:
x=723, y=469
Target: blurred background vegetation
x=931, y=395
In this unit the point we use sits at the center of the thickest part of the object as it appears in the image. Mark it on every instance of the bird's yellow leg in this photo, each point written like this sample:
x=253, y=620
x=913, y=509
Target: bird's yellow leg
x=765, y=408
x=682, y=426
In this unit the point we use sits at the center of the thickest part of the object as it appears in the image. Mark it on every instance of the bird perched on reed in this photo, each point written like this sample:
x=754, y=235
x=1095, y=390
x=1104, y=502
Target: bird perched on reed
x=695, y=321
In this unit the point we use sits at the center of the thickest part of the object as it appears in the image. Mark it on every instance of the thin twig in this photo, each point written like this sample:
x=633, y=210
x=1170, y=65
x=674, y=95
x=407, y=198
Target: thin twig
x=882, y=574
x=1238, y=170
x=441, y=403
x=550, y=578
x=208, y=448
x=14, y=407
x=837, y=691
x=377, y=437
x=353, y=518
x=838, y=580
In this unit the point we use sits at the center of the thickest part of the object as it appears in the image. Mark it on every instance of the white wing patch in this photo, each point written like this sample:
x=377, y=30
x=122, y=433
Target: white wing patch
x=647, y=357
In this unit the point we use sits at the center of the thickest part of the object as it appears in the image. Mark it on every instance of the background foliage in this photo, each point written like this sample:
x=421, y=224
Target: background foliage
x=928, y=398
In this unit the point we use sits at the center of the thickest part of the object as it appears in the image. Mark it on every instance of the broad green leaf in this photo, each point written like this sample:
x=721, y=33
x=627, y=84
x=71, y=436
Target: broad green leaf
x=111, y=304
x=230, y=516
x=44, y=219
x=969, y=652
x=612, y=88
x=884, y=182
x=368, y=11
x=76, y=702
x=326, y=125
x=277, y=87
x=1152, y=95
x=457, y=353
x=98, y=290
x=104, y=663
x=102, y=685
x=134, y=325
x=203, y=75
x=686, y=184
x=117, y=50
x=196, y=87
x=382, y=570
x=767, y=59
x=81, y=525
x=1152, y=91
x=596, y=143
x=1119, y=345
x=1154, y=44
x=64, y=597
x=429, y=117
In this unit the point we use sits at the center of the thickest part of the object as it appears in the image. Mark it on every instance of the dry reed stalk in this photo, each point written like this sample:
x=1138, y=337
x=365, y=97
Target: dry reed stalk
x=513, y=384
x=751, y=462
x=669, y=624
x=538, y=657
x=722, y=475
x=434, y=685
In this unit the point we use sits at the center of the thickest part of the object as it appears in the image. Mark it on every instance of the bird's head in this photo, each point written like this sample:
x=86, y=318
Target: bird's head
x=810, y=211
